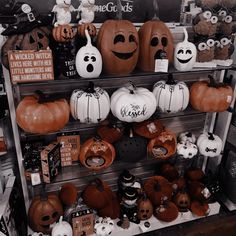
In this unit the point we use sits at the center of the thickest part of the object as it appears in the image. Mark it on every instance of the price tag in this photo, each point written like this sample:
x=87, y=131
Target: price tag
x=161, y=65
x=35, y=179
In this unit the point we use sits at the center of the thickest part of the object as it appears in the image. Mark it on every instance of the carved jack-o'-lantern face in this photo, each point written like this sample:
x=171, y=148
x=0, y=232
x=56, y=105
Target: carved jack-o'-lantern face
x=119, y=45
x=156, y=42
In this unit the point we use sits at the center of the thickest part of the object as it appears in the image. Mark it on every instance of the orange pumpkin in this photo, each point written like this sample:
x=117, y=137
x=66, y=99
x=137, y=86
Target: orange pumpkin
x=169, y=172
x=63, y=33
x=156, y=42
x=210, y=97
x=35, y=114
x=195, y=174
x=196, y=191
x=87, y=26
x=68, y=194
x=199, y=208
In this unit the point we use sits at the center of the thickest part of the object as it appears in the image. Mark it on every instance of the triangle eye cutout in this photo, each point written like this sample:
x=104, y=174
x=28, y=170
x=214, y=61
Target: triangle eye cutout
x=41, y=36
x=31, y=39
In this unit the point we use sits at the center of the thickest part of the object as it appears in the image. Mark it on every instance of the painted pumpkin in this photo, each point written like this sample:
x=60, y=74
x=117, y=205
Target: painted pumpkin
x=87, y=26
x=133, y=104
x=163, y=146
x=63, y=33
x=182, y=201
x=156, y=42
x=171, y=96
x=37, y=39
x=187, y=137
x=156, y=187
x=148, y=129
x=210, y=97
x=185, y=54
x=88, y=60
x=187, y=150
x=96, y=154
x=91, y=105
x=62, y=228
x=209, y=144
x=44, y=210
x=200, y=208
x=103, y=226
x=145, y=208
x=35, y=114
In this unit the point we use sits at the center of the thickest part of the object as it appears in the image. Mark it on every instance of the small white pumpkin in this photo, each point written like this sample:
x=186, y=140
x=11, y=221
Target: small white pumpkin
x=185, y=54
x=88, y=60
x=187, y=149
x=62, y=228
x=91, y=105
x=171, y=96
x=132, y=104
x=209, y=144
x=104, y=226
x=187, y=137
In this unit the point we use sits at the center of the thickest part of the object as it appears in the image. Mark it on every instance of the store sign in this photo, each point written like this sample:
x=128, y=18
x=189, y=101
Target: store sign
x=30, y=66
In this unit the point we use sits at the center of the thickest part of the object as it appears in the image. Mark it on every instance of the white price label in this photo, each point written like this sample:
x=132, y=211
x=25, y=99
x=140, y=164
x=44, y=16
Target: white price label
x=161, y=65
x=35, y=179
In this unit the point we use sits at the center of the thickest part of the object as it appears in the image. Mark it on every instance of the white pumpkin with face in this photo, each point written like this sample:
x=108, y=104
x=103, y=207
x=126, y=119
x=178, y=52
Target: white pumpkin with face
x=131, y=104
x=62, y=228
x=88, y=60
x=185, y=54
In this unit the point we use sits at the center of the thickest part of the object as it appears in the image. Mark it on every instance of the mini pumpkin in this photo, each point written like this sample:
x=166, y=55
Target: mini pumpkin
x=63, y=33
x=169, y=172
x=38, y=114
x=62, y=228
x=145, y=208
x=179, y=184
x=187, y=137
x=200, y=208
x=68, y=194
x=96, y=154
x=103, y=226
x=198, y=191
x=87, y=26
x=209, y=144
x=210, y=97
x=187, y=150
x=171, y=96
x=182, y=201
x=163, y=146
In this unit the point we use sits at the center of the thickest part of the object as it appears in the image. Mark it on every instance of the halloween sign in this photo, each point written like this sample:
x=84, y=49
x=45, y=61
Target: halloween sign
x=30, y=66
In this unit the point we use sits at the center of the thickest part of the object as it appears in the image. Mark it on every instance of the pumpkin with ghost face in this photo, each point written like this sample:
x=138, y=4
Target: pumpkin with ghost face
x=62, y=228
x=185, y=54
x=156, y=42
x=88, y=60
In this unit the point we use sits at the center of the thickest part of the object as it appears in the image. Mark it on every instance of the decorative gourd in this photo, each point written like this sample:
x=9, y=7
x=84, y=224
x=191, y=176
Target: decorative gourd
x=63, y=33
x=169, y=172
x=37, y=114
x=103, y=226
x=163, y=146
x=210, y=97
x=199, y=208
x=187, y=149
x=96, y=154
x=131, y=148
x=37, y=39
x=62, y=228
x=118, y=43
x=195, y=174
x=88, y=60
x=68, y=194
x=182, y=201
x=133, y=104
x=156, y=187
x=209, y=144
x=171, y=96
x=148, y=129
x=87, y=26
x=145, y=208
x=185, y=54
x=44, y=211
x=187, y=137
x=91, y=105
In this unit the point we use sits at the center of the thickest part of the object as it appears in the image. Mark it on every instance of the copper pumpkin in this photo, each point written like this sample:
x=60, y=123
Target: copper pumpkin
x=156, y=42
x=87, y=26
x=63, y=33
x=118, y=43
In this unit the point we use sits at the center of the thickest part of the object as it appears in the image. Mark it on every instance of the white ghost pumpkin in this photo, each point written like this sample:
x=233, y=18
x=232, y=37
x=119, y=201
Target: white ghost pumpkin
x=62, y=228
x=88, y=60
x=185, y=54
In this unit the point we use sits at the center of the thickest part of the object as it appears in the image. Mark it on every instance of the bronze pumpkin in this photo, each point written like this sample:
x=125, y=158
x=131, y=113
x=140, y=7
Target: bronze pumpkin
x=63, y=33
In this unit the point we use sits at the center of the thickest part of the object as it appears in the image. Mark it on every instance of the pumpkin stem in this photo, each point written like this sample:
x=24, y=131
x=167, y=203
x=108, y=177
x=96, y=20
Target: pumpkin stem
x=99, y=184
x=156, y=10
x=119, y=10
x=97, y=138
x=185, y=35
x=170, y=80
x=43, y=195
x=211, y=136
x=212, y=81
x=88, y=38
x=90, y=88
x=131, y=87
x=43, y=98
x=189, y=135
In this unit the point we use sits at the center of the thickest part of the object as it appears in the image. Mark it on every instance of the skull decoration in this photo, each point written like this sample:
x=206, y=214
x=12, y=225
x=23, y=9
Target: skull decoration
x=62, y=228
x=88, y=60
x=182, y=201
x=145, y=209
x=104, y=226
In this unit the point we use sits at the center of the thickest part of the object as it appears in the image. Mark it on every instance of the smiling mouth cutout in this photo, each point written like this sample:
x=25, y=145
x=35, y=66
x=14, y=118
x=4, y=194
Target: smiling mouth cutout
x=184, y=61
x=124, y=56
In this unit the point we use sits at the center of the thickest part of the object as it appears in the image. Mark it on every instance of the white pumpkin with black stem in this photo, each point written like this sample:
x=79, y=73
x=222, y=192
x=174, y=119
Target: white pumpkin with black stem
x=185, y=54
x=133, y=104
x=187, y=137
x=209, y=145
x=62, y=228
x=91, y=105
x=88, y=60
x=171, y=96
x=187, y=149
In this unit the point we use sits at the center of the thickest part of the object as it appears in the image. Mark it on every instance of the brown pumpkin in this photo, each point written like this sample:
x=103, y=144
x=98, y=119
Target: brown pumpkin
x=156, y=187
x=163, y=146
x=87, y=26
x=196, y=191
x=44, y=210
x=194, y=174
x=96, y=154
x=169, y=172
x=210, y=97
x=37, y=39
x=179, y=184
x=182, y=201
x=35, y=114
x=68, y=194
x=145, y=208
x=166, y=212
x=63, y=33
x=148, y=129
x=200, y=208
x=156, y=42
